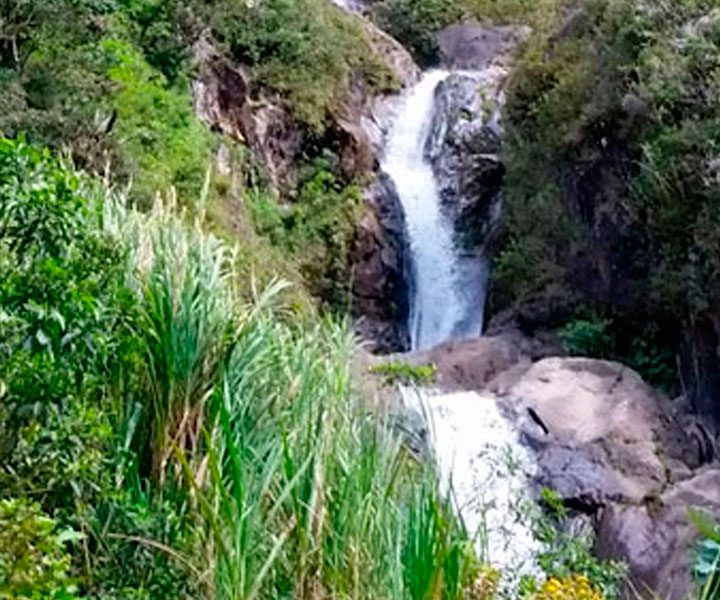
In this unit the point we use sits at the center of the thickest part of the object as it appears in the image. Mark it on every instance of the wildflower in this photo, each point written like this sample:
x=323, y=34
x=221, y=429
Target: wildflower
x=576, y=587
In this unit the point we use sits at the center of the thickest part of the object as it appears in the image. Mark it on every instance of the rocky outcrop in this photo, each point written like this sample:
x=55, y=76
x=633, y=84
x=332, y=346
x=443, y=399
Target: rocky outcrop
x=464, y=149
x=657, y=538
x=223, y=96
x=464, y=143
x=468, y=46
x=226, y=99
x=601, y=435
x=381, y=271
x=363, y=117
x=618, y=452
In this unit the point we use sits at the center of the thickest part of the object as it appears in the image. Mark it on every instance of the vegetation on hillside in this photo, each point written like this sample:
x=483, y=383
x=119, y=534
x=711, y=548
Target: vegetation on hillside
x=162, y=439
x=613, y=142
x=108, y=82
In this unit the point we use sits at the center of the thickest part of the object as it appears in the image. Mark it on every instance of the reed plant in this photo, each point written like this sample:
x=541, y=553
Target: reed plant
x=294, y=488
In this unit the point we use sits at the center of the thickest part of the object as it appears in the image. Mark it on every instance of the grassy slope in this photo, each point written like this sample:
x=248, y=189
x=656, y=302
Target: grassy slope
x=186, y=443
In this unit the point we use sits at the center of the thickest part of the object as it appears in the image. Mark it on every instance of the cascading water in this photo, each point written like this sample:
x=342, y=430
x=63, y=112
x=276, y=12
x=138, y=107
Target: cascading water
x=480, y=458
x=482, y=464
x=447, y=302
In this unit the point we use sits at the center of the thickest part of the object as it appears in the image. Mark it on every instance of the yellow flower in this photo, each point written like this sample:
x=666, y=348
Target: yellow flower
x=576, y=587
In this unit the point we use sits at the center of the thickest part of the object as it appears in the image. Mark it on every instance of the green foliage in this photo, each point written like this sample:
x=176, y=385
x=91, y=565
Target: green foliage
x=316, y=228
x=613, y=112
x=308, y=50
x=163, y=143
x=706, y=564
x=405, y=374
x=146, y=549
x=201, y=445
x=565, y=555
x=63, y=299
x=586, y=337
x=34, y=563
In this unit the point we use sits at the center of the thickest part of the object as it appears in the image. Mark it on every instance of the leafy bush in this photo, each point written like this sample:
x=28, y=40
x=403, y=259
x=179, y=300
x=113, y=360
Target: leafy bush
x=162, y=141
x=63, y=299
x=706, y=567
x=587, y=337
x=569, y=560
x=405, y=374
x=611, y=112
x=308, y=50
x=316, y=228
x=34, y=564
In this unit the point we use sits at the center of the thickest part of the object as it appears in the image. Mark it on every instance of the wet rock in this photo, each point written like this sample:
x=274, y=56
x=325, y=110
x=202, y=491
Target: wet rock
x=656, y=538
x=464, y=143
x=380, y=266
x=464, y=149
x=475, y=47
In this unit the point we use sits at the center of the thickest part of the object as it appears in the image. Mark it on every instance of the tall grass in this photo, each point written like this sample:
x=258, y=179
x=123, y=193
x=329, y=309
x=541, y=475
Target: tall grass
x=294, y=487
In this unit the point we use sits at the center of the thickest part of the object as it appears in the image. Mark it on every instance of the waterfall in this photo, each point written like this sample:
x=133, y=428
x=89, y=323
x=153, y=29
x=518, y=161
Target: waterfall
x=482, y=464
x=449, y=287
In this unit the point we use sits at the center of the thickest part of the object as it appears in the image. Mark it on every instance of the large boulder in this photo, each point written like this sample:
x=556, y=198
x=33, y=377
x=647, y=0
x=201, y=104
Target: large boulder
x=620, y=452
x=601, y=435
x=474, y=364
x=657, y=538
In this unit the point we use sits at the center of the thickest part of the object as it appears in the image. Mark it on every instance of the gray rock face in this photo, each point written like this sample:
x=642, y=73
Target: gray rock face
x=226, y=100
x=380, y=269
x=464, y=149
x=223, y=100
x=475, y=47
x=657, y=538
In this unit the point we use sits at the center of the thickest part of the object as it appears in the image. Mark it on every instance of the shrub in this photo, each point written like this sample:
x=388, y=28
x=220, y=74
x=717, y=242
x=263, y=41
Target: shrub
x=34, y=564
x=63, y=298
x=163, y=143
x=706, y=562
x=567, y=560
x=587, y=337
x=316, y=228
x=307, y=50
x=405, y=374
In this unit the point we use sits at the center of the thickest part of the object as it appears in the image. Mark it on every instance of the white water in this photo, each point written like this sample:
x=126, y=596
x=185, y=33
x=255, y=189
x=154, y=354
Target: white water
x=486, y=470
x=447, y=301
x=349, y=5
